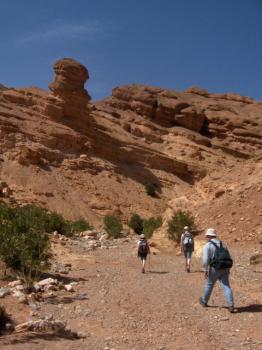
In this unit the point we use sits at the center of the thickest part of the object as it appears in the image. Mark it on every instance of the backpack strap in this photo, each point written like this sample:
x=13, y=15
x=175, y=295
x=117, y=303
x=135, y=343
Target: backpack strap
x=215, y=244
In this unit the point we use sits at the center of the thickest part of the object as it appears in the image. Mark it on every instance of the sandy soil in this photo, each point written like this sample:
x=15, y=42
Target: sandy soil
x=118, y=307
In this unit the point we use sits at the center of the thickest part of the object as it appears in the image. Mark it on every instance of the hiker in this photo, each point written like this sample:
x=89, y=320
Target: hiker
x=142, y=251
x=187, y=246
x=217, y=263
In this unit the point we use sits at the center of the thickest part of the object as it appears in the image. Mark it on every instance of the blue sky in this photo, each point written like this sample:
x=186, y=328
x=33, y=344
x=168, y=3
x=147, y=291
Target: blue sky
x=214, y=44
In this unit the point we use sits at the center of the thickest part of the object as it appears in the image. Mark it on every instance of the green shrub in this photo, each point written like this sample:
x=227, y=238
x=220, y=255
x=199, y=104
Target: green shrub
x=80, y=225
x=151, y=189
x=150, y=225
x=31, y=215
x=177, y=223
x=136, y=223
x=27, y=253
x=113, y=225
x=24, y=244
x=24, y=241
x=56, y=222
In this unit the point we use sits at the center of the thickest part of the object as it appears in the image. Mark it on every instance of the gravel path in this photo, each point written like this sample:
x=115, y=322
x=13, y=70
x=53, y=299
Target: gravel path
x=119, y=308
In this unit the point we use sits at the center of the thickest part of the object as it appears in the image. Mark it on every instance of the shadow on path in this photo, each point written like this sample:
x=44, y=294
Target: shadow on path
x=35, y=337
x=158, y=272
x=196, y=271
x=55, y=300
x=250, y=308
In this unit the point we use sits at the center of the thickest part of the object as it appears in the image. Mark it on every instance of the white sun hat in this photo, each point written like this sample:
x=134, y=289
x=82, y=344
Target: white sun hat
x=211, y=232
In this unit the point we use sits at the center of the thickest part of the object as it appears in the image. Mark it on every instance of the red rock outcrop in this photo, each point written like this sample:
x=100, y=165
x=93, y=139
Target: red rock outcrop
x=82, y=159
x=69, y=97
x=158, y=105
x=230, y=121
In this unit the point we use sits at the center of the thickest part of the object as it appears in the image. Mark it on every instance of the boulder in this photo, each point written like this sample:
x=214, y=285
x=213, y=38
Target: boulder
x=15, y=283
x=4, y=292
x=47, y=281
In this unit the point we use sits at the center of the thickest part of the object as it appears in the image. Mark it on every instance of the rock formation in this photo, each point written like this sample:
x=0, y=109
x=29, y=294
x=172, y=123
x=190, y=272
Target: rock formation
x=69, y=97
x=87, y=159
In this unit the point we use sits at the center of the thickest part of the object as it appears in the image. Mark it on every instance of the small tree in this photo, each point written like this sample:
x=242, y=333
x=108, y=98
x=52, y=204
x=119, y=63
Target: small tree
x=177, y=223
x=151, y=189
x=80, y=225
x=24, y=244
x=136, y=223
x=150, y=225
x=56, y=222
x=113, y=225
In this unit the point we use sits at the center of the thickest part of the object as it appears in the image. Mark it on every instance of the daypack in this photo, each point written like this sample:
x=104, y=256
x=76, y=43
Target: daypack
x=222, y=258
x=143, y=247
x=188, y=240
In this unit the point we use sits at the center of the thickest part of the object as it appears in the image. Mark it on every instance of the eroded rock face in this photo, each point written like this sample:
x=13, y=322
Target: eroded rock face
x=230, y=121
x=164, y=107
x=95, y=159
x=69, y=97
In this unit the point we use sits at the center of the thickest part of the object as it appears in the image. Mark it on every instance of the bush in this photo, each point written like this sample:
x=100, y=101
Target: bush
x=113, y=225
x=151, y=189
x=176, y=225
x=150, y=225
x=136, y=223
x=56, y=222
x=80, y=225
x=24, y=244
x=24, y=241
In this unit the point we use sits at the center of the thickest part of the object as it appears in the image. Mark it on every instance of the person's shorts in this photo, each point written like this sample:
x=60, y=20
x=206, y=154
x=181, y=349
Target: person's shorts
x=142, y=256
x=188, y=253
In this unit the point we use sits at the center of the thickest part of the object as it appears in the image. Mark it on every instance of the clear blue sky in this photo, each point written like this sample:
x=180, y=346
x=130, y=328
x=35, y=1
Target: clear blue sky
x=214, y=44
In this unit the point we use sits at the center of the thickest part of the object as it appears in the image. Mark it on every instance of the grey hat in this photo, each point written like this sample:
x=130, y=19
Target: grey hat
x=142, y=236
x=186, y=228
x=211, y=232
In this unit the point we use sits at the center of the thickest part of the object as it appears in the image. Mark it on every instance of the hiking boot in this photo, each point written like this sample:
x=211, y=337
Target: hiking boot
x=143, y=270
x=231, y=309
x=188, y=269
x=202, y=303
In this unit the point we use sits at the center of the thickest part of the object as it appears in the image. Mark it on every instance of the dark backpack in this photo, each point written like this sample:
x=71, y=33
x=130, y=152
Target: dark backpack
x=222, y=258
x=143, y=247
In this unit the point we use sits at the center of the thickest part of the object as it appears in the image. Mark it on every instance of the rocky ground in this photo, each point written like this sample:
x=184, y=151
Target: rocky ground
x=201, y=152
x=115, y=306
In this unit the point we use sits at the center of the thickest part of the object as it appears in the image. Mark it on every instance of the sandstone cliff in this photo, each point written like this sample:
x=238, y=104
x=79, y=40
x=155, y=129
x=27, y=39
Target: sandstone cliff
x=88, y=159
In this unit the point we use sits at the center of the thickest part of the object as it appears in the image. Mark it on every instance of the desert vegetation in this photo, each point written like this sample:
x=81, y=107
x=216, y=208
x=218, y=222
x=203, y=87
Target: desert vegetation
x=145, y=226
x=25, y=244
x=179, y=220
x=113, y=225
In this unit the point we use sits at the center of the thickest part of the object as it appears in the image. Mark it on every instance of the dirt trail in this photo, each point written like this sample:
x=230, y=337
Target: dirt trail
x=120, y=308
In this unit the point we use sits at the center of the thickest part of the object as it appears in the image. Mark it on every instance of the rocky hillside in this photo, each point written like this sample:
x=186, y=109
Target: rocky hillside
x=201, y=150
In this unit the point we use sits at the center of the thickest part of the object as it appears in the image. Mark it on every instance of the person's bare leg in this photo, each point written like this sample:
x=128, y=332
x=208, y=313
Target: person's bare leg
x=143, y=265
x=188, y=264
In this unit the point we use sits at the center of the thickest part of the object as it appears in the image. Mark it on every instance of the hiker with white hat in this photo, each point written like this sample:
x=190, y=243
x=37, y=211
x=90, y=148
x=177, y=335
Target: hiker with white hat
x=187, y=246
x=142, y=250
x=217, y=263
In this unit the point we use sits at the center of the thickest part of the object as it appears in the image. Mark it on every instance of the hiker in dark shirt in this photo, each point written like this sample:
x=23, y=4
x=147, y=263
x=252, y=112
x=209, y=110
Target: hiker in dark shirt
x=187, y=246
x=142, y=250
